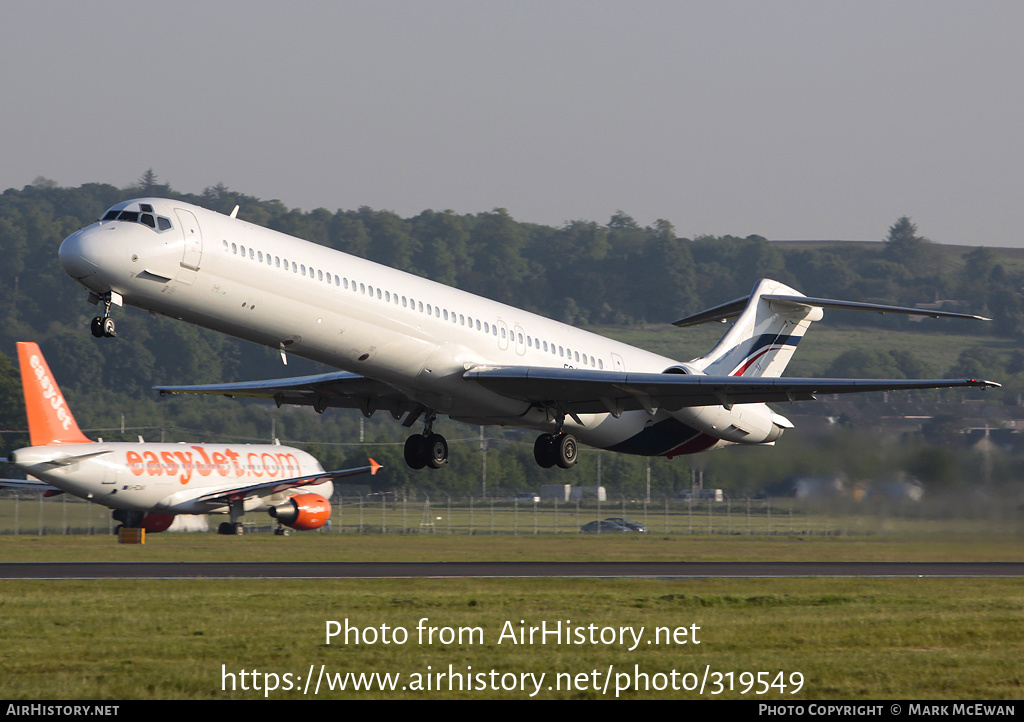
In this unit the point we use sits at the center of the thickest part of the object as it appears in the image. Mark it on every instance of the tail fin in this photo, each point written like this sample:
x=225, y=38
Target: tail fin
x=49, y=418
x=762, y=340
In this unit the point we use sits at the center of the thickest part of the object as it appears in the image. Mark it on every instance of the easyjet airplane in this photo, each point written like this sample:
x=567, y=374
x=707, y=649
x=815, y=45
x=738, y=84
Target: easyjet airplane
x=148, y=484
x=417, y=349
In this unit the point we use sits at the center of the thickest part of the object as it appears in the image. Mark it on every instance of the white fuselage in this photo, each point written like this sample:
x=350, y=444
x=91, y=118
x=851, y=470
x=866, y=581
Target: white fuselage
x=167, y=478
x=413, y=334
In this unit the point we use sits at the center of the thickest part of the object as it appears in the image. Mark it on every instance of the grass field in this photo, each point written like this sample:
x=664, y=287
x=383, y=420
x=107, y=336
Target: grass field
x=913, y=639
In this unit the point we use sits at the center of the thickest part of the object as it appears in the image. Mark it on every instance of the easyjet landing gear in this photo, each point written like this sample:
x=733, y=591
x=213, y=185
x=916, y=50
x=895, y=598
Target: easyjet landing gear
x=426, y=449
x=234, y=527
x=555, y=450
x=103, y=326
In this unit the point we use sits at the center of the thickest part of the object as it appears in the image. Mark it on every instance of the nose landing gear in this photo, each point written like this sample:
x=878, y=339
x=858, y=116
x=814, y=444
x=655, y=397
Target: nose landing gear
x=103, y=326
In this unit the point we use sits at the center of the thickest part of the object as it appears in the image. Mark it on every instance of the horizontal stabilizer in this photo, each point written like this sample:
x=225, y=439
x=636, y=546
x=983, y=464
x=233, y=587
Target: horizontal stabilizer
x=27, y=484
x=734, y=308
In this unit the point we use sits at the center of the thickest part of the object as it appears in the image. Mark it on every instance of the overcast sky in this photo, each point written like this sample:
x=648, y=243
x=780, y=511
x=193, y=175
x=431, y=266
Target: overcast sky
x=787, y=119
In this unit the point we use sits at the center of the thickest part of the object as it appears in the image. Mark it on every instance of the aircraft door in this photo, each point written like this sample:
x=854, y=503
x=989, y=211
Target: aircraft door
x=502, y=335
x=520, y=339
x=617, y=361
x=193, y=252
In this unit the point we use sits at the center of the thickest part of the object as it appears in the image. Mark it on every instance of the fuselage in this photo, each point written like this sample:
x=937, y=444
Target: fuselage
x=415, y=335
x=167, y=478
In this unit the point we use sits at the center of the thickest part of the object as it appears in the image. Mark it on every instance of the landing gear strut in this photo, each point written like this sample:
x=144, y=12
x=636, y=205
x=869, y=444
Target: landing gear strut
x=234, y=527
x=103, y=326
x=426, y=449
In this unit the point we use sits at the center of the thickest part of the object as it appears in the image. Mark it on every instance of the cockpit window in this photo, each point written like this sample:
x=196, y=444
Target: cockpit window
x=144, y=215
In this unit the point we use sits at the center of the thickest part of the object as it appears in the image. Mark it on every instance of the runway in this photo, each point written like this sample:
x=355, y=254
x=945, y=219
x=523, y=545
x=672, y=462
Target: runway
x=499, y=570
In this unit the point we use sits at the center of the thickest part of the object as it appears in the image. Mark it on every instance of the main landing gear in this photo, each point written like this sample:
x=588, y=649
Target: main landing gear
x=103, y=326
x=558, y=449
x=426, y=449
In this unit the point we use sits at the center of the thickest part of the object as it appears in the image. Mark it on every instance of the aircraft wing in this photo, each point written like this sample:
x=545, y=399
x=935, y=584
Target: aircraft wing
x=336, y=389
x=267, y=488
x=580, y=391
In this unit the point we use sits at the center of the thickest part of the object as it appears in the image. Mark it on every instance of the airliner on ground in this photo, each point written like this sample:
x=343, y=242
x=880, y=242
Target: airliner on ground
x=147, y=484
x=417, y=349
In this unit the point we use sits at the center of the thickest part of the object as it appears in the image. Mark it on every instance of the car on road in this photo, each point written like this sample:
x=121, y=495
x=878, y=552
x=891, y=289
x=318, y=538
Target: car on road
x=628, y=523
x=605, y=527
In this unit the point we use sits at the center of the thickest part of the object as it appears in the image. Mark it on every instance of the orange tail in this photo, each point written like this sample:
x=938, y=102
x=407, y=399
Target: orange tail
x=49, y=418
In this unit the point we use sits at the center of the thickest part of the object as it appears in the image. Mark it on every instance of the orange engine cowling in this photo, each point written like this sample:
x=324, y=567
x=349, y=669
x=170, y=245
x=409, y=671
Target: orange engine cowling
x=156, y=522
x=303, y=512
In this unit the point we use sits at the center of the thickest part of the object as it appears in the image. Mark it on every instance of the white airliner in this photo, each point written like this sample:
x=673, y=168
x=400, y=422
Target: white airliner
x=416, y=348
x=147, y=485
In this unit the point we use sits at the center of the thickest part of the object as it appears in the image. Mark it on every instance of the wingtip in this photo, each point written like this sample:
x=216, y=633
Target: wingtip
x=375, y=467
x=982, y=383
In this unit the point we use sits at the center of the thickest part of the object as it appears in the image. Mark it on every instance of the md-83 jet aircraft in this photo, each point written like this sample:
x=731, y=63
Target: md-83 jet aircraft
x=417, y=349
x=147, y=484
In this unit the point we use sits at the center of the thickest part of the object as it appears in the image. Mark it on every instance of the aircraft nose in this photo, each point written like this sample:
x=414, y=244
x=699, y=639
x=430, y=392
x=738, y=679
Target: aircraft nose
x=78, y=254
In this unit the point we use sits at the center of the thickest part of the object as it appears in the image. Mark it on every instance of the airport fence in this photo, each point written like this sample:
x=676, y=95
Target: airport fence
x=30, y=513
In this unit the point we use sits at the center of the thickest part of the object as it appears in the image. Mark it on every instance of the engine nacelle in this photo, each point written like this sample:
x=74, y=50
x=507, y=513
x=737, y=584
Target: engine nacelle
x=737, y=424
x=153, y=523
x=303, y=511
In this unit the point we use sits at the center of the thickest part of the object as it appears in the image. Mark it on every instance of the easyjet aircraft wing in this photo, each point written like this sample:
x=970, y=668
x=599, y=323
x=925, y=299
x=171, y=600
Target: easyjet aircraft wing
x=267, y=488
